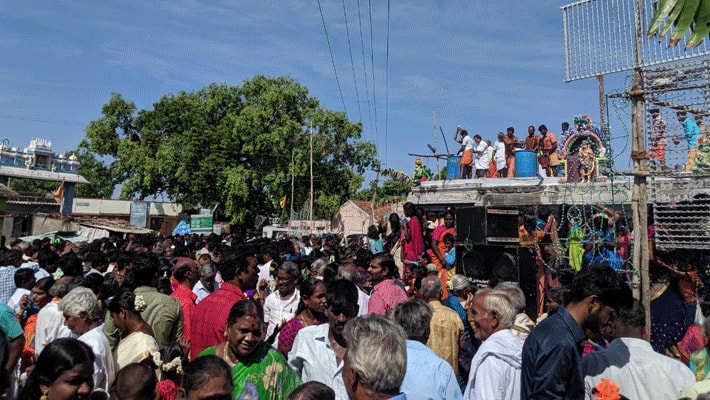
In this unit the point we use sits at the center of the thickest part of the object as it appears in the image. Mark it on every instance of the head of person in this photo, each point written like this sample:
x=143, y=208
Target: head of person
x=500, y=135
x=654, y=112
x=124, y=308
x=312, y=390
x=382, y=267
x=542, y=129
x=565, y=126
x=135, y=382
x=491, y=312
x=460, y=286
x=372, y=232
x=423, y=258
x=204, y=258
x=186, y=272
x=206, y=377
x=312, y=297
x=477, y=138
x=682, y=115
x=146, y=267
x=510, y=131
x=348, y=271
x=600, y=290
x=24, y=278
x=40, y=291
x=410, y=210
x=318, y=266
x=376, y=359
x=450, y=218
x=464, y=132
x=414, y=316
x=244, y=325
x=531, y=130
x=341, y=299
x=64, y=371
x=431, y=288
x=449, y=241
x=207, y=276
x=81, y=310
x=287, y=275
x=515, y=293
x=631, y=321
x=555, y=299
x=394, y=221
x=240, y=271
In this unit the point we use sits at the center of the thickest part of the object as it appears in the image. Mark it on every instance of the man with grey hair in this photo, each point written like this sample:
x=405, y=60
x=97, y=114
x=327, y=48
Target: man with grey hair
x=446, y=336
x=348, y=271
x=523, y=324
x=207, y=283
x=376, y=359
x=496, y=367
x=428, y=375
x=81, y=315
x=281, y=305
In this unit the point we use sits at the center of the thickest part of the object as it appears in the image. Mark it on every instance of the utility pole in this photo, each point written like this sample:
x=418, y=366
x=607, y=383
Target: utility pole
x=639, y=196
x=310, y=201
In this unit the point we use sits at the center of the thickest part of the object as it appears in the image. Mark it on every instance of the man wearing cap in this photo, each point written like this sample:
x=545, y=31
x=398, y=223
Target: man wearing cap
x=466, y=152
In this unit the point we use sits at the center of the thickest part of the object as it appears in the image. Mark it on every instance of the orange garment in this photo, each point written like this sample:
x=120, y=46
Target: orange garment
x=467, y=158
x=28, y=351
x=688, y=285
x=510, y=163
x=492, y=170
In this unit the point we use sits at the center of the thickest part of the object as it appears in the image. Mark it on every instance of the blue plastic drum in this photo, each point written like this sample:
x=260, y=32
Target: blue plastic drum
x=453, y=167
x=525, y=164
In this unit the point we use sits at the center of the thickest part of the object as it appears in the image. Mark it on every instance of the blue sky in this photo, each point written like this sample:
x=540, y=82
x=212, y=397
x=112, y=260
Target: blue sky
x=483, y=65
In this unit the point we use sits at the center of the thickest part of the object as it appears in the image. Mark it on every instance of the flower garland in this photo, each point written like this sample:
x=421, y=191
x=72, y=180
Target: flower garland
x=606, y=390
x=139, y=303
x=174, y=365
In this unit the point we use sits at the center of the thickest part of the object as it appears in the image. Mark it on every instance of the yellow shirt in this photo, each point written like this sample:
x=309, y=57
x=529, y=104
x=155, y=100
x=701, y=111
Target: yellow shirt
x=446, y=336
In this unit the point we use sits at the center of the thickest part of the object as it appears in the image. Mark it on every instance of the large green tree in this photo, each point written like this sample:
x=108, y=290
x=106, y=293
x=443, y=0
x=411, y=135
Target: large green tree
x=234, y=145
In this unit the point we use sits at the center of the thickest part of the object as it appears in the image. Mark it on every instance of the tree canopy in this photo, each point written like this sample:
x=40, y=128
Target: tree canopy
x=233, y=145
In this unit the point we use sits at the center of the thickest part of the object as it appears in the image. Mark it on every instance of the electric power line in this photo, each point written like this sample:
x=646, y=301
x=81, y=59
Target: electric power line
x=387, y=81
x=364, y=67
x=372, y=67
x=332, y=60
x=352, y=63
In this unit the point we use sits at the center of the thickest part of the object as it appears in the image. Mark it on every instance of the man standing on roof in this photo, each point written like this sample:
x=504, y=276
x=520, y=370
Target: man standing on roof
x=466, y=151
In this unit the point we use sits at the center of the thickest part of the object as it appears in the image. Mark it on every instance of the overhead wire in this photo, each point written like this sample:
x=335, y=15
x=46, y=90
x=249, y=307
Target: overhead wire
x=372, y=69
x=387, y=81
x=332, y=60
x=352, y=62
x=364, y=66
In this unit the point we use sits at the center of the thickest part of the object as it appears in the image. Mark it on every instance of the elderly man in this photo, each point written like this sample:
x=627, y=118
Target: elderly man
x=523, y=325
x=631, y=363
x=446, y=336
x=375, y=360
x=317, y=352
x=281, y=305
x=80, y=308
x=207, y=284
x=428, y=376
x=495, y=369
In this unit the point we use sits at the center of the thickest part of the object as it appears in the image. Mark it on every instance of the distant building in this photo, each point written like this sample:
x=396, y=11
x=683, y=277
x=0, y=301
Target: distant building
x=355, y=216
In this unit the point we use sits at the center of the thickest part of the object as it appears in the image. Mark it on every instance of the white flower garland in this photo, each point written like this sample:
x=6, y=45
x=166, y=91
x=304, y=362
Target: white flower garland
x=175, y=364
x=139, y=303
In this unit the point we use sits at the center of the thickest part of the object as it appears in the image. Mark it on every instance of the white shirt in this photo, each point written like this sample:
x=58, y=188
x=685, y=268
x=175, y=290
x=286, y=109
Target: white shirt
x=14, y=301
x=482, y=159
x=499, y=157
x=496, y=368
x=202, y=292
x=467, y=141
x=640, y=372
x=276, y=311
x=104, y=367
x=362, y=300
x=314, y=360
x=50, y=326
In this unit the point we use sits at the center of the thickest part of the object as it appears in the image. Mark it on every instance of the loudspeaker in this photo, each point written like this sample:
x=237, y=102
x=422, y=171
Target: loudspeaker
x=471, y=225
x=481, y=225
x=484, y=264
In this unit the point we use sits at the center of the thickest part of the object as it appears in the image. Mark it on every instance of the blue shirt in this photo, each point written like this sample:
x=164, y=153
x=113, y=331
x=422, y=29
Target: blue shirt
x=552, y=359
x=691, y=132
x=428, y=376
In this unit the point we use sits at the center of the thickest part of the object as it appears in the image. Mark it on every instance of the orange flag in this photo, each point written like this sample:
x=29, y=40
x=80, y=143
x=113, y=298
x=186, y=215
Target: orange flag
x=59, y=193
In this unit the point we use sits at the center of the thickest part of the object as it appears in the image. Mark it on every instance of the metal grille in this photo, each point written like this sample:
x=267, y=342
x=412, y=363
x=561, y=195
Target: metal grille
x=599, y=38
x=683, y=225
x=683, y=87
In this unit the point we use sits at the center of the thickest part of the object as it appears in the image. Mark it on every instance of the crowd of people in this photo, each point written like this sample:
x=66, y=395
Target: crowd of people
x=383, y=317
x=497, y=159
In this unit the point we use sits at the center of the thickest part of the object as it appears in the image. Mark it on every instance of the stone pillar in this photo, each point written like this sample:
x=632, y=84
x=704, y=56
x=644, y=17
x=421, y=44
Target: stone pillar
x=68, y=201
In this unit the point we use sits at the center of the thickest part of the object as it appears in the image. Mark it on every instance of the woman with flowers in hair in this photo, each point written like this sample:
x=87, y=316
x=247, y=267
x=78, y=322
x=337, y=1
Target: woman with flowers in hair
x=258, y=371
x=137, y=342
